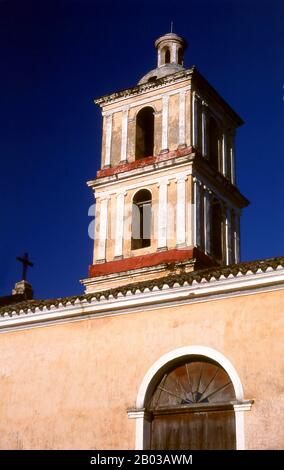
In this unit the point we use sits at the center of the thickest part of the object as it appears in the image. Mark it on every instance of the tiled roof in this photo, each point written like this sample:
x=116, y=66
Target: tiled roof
x=203, y=275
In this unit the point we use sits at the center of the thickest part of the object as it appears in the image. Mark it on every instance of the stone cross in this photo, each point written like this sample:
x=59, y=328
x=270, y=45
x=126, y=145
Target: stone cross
x=26, y=262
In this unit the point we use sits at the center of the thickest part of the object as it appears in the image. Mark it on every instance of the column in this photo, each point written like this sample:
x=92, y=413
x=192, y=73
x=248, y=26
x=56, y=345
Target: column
x=162, y=215
x=165, y=113
x=207, y=221
x=237, y=238
x=119, y=225
x=224, y=155
x=227, y=234
x=194, y=120
x=174, y=53
x=108, y=139
x=159, y=58
x=180, y=214
x=204, y=129
x=182, y=118
x=232, y=156
x=196, y=211
x=124, y=128
x=103, y=216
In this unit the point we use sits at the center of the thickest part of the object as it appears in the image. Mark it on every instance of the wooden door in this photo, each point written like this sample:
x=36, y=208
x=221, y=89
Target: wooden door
x=202, y=430
x=191, y=408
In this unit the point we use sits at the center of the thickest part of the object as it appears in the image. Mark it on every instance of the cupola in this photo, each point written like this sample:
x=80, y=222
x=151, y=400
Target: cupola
x=170, y=52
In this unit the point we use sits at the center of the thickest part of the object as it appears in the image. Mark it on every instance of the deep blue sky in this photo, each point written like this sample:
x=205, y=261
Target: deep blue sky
x=56, y=56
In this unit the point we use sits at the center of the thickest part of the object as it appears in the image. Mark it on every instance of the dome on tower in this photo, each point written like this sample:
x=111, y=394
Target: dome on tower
x=170, y=49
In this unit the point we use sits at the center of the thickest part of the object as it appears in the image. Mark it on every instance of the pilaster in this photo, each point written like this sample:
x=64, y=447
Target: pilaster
x=162, y=215
x=108, y=119
x=119, y=225
x=180, y=212
x=182, y=140
x=165, y=119
x=124, y=134
x=103, y=220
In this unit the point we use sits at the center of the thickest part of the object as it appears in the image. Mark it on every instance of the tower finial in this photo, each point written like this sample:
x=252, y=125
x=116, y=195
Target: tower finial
x=172, y=25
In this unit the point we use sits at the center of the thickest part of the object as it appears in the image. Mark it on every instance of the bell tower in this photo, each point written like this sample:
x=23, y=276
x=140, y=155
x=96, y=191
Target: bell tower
x=166, y=194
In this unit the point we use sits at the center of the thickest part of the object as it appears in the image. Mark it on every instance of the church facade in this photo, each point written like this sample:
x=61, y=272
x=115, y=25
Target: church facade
x=175, y=343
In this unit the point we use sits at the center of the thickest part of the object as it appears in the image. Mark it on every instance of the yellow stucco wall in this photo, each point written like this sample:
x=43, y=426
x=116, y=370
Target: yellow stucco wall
x=69, y=385
x=136, y=103
x=148, y=182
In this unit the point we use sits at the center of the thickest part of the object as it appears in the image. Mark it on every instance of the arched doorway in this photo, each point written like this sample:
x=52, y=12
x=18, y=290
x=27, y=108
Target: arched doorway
x=154, y=375
x=190, y=407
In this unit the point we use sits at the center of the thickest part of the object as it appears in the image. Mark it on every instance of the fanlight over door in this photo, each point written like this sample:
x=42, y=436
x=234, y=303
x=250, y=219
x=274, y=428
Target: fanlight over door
x=191, y=408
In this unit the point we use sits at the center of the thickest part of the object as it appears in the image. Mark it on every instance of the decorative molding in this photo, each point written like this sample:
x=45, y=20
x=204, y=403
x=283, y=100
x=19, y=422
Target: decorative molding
x=150, y=100
x=134, y=414
x=201, y=286
x=244, y=406
x=142, y=184
x=146, y=87
x=103, y=197
x=126, y=169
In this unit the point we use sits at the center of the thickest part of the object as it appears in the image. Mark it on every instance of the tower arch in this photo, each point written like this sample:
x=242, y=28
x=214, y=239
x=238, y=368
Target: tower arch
x=141, y=219
x=144, y=142
x=213, y=143
x=165, y=55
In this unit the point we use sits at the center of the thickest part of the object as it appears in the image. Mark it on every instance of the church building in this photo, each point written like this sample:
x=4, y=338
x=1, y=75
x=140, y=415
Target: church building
x=175, y=343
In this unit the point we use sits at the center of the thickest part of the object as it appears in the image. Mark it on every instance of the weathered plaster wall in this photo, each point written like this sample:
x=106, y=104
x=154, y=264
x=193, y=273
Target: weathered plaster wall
x=153, y=188
x=154, y=99
x=69, y=385
x=145, y=181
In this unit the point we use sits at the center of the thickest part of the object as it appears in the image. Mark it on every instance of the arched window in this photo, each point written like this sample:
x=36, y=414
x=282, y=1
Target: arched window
x=213, y=141
x=141, y=219
x=216, y=226
x=144, y=133
x=190, y=407
x=166, y=55
x=180, y=56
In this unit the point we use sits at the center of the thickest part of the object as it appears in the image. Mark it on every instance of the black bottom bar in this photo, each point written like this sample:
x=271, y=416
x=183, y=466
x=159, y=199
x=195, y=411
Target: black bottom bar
x=127, y=459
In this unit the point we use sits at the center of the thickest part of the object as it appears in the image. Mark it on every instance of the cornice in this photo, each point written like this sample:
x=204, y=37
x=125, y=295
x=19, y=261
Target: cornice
x=199, y=286
x=145, y=87
x=143, y=167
